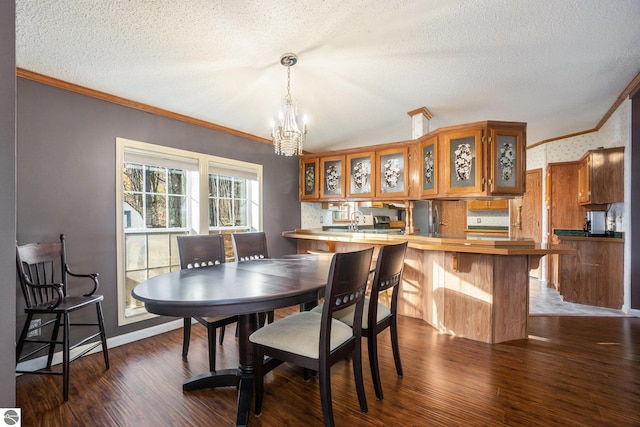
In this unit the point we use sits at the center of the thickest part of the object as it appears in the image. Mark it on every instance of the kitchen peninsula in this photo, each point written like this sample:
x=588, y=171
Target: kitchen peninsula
x=472, y=287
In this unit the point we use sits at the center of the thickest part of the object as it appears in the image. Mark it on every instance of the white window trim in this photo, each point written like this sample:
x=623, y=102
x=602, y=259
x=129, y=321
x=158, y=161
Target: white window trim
x=200, y=216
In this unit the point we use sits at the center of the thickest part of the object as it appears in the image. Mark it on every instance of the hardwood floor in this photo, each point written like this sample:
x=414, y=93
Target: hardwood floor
x=572, y=371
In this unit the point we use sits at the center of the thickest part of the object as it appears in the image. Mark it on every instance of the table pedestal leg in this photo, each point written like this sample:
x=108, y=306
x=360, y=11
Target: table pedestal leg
x=247, y=324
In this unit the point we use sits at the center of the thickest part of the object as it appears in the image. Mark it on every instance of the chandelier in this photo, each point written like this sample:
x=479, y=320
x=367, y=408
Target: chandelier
x=286, y=136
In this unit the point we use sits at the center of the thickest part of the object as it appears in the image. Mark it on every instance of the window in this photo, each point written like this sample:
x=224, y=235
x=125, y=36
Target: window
x=158, y=198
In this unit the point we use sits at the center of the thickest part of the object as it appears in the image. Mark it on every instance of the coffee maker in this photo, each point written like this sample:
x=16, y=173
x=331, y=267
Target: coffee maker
x=596, y=223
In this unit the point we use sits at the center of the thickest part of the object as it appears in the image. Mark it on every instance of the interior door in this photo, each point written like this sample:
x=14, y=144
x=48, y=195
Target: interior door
x=526, y=212
x=453, y=217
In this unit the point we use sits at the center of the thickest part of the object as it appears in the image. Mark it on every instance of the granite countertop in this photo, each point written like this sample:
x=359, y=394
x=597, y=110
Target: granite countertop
x=572, y=234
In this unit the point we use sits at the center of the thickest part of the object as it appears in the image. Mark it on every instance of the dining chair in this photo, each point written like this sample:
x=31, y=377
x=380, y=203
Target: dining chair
x=44, y=277
x=378, y=316
x=201, y=251
x=248, y=246
x=316, y=341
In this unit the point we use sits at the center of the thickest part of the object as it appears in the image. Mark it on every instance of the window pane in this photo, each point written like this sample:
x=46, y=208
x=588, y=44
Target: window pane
x=132, y=278
x=225, y=214
x=240, y=210
x=177, y=181
x=158, y=250
x=240, y=188
x=156, y=215
x=133, y=211
x=155, y=180
x=213, y=213
x=132, y=177
x=213, y=186
x=225, y=187
x=135, y=252
x=177, y=211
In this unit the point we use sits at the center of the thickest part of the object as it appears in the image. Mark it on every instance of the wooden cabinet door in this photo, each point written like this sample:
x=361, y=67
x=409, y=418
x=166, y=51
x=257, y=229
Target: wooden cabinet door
x=361, y=175
x=506, y=158
x=584, y=177
x=564, y=210
x=463, y=162
x=309, y=179
x=488, y=205
x=453, y=217
x=332, y=177
x=392, y=173
x=429, y=167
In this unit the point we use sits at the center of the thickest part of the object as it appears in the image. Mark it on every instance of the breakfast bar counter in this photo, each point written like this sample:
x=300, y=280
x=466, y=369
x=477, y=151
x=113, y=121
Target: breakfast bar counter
x=476, y=287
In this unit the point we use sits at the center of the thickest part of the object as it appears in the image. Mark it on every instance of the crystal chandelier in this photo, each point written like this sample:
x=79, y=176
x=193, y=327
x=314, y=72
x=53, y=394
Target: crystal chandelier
x=287, y=137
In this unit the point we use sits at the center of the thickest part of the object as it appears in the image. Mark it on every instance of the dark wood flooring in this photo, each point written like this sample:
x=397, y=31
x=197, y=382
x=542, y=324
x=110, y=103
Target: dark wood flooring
x=572, y=371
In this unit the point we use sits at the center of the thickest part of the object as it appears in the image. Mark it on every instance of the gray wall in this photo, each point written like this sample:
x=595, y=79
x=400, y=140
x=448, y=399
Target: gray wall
x=66, y=177
x=7, y=203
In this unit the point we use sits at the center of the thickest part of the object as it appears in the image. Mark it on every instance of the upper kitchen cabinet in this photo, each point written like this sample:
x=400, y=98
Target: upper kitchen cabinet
x=309, y=178
x=360, y=183
x=428, y=152
x=332, y=177
x=392, y=173
x=484, y=159
x=463, y=162
x=506, y=160
x=601, y=177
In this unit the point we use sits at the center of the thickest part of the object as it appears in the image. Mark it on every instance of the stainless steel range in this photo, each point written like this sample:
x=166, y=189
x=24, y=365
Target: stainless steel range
x=381, y=221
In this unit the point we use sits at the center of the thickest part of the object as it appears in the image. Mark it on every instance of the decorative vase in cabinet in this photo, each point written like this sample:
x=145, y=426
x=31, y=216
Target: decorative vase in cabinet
x=392, y=173
x=360, y=175
x=463, y=161
x=309, y=178
x=506, y=157
x=429, y=167
x=332, y=177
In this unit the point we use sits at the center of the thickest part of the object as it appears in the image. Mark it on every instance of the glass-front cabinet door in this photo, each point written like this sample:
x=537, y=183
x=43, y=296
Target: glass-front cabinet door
x=360, y=175
x=309, y=178
x=506, y=161
x=429, y=167
x=392, y=173
x=332, y=177
x=463, y=172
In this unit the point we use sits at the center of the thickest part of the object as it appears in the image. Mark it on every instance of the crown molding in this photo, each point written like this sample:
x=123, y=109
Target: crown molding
x=51, y=81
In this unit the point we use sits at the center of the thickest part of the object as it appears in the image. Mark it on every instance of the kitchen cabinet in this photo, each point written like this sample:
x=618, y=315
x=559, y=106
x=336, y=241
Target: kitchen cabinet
x=475, y=160
x=506, y=160
x=601, y=177
x=332, y=177
x=361, y=175
x=309, y=178
x=392, y=173
x=463, y=162
x=563, y=210
x=429, y=167
x=484, y=159
x=488, y=205
x=594, y=274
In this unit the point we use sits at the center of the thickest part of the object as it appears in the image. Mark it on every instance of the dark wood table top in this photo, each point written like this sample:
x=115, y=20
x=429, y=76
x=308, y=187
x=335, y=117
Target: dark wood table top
x=235, y=288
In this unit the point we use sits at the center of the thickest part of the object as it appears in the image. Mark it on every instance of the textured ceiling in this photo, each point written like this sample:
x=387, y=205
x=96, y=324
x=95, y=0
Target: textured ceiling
x=558, y=65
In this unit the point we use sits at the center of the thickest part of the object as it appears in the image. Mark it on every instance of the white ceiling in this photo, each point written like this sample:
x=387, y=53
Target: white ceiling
x=558, y=65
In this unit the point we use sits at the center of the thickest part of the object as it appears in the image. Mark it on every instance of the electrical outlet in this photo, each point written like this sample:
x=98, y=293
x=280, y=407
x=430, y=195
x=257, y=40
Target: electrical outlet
x=478, y=220
x=35, y=323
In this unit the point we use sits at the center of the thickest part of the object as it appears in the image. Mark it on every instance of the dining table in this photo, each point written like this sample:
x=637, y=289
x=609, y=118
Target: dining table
x=244, y=289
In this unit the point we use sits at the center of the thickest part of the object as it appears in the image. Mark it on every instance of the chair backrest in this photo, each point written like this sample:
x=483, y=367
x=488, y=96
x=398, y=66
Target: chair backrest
x=41, y=264
x=346, y=285
x=201, y=250
x=388, y=274
x=248, y=246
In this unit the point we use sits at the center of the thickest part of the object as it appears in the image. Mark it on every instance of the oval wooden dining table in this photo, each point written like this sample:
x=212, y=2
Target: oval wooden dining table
x=239, y=288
